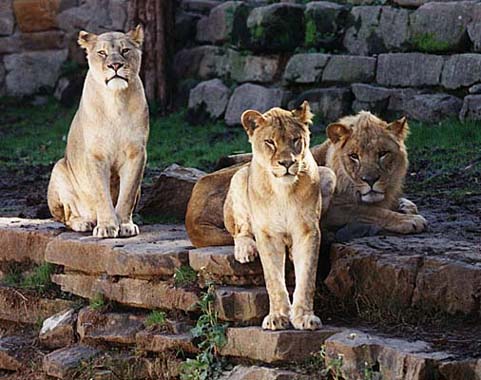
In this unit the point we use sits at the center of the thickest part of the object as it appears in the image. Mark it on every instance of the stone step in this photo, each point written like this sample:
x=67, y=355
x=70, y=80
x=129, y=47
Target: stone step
x=66, y=362
x=58, y=330
x=152, y=341
x=429, y=272
x=14, y=351
x=235, y=304
x=242, y=372
x=156, y=253
x=24, y=306
x=254, y=343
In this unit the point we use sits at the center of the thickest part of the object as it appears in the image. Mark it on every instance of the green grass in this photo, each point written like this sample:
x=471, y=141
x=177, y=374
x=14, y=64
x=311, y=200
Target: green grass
x=97, y=302
x=184, y=276
x=428, y=42
x=156, y=318
x=37, y=279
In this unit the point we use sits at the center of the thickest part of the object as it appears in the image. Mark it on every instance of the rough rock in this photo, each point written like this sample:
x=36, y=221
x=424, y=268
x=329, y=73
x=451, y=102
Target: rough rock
x=13, y=350
x=464, y=369
x=203, y=62
x=129, y=291
x=305, y=68
x=28, y=72
x=474, y=33
x=25, y=240
x=394, y=29
x=207, y=101
x=251, y=96
x=327, y=103
x=274, y=346
x=461, y=70
x=2, y=79
x=409, y=69
x=7, y=20
x=386, y=358
x=344, y=68
x=185, y=28
x=69, y=90
x=95, y=327
x=410, y=271
x=63, y=363
x=242, y=304
x=161, y=342
x=433, y=107
x=36, y=16
x=158, y=251
x=48, y=40
x=171, y=192
x=441, y=26
x=475, y=89
x=370, y=98
x=276, y=27
x=471, y=109
x=58, y=330
x=324, y=23
x=241, y=372
x=202, y=6
x=225, y=23
x=252, y=68
x=13, y=304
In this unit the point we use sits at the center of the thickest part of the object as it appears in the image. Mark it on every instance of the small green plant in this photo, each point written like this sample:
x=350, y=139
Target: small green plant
x=97, y=302
x=13, y=277
x=211, y=335
x=311, y=36
x=156, y=318
x=184, y=276
x=428, y=42
x=39, y=279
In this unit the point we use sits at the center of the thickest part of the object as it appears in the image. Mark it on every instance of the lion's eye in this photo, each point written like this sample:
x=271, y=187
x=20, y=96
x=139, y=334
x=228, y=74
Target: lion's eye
x=102, y=53
x=269, y=143
x=354, y=157
x=383, y=154
x=296, y=140
x=125, y=51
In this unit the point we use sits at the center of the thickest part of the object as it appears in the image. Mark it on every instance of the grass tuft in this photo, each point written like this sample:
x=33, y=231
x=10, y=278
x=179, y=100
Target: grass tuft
x=184, y=276
x=156, y=318
x=98, y=302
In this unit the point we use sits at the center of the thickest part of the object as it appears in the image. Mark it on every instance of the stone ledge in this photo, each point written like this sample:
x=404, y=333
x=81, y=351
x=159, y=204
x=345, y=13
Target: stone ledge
x=64, y=363
x=161, y=342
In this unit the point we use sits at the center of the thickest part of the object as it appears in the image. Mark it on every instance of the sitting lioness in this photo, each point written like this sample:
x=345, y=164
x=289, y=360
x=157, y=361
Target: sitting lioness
x=369, y=158
x=97, y=183
x=273, y=206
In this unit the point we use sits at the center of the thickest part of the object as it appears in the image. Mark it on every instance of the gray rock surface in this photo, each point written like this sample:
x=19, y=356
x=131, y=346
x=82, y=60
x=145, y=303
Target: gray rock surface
x=208, y=100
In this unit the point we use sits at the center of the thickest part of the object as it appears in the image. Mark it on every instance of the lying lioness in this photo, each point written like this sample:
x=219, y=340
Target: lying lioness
x=274, y=205
x=369, y=158
x=97, y=183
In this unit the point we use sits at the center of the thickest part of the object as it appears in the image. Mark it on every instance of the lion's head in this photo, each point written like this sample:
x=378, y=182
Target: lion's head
x=279, y=140
x=114, y=58
x=371, y=154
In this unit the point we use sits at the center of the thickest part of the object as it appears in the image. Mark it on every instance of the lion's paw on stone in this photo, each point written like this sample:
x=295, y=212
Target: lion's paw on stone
x=407, y=207
x=81, y=225
x=106, y=231
x=245, y=249
x=306, y=322
x=275, y=321
x=128, y=229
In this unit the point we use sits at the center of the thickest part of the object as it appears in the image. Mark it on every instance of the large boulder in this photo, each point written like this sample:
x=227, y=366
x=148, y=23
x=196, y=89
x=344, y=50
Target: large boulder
x=36, y=16
x=252, y=68
x=409, y=69
x=324, y=23
x=207, y=101
x=474, y=33
x=2, y=79
x=276, y=27
x=438, y=27
x=29, y=72
x=202, y=62
x=185, y=28
x=345, y=68
x=433, y=107
x=305, y=68
x=471, y=108
x=48, y=40
x=171, y=192
x=251, y=96
x=7, y=20
x=58, y=330
x=370, y=98
x=329, y=104
x=461, y=70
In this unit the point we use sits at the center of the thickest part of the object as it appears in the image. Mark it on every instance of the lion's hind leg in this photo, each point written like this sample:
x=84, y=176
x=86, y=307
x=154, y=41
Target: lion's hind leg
x=328, y=186
x=63, y=202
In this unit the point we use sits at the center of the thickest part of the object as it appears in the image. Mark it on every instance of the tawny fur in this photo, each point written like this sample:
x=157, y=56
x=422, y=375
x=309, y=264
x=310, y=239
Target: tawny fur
x=97, y=183
x=273, y=207
x=205, y=224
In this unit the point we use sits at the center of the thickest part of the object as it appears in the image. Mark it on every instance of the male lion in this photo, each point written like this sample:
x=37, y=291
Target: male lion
x=97, y=183
x=365, y=152
x=274, y=205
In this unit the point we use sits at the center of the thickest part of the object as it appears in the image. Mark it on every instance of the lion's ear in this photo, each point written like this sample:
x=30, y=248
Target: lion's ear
x=250, y=120
x=85, y=39
x=338, y=132
x=303, y=113
x=137, y=35
x=399, y=128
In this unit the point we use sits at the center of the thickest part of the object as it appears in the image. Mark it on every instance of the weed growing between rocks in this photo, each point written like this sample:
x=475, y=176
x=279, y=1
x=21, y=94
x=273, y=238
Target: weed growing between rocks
x=184, y=276
x=212, y=337
x=37, y=279
x=156, y=318
x=98, y=302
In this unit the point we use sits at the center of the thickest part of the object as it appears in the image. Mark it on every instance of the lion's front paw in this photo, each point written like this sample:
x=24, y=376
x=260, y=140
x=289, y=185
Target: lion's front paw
x=106, y=231
x=306, y=322
x=128, y=229
x=275, y=321
x=81, y=225
x=245, y=249
x=412, y=224
x=407, y=207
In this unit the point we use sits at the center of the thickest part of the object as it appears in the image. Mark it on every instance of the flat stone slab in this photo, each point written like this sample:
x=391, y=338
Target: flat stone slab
x=429, y=272
x=95, y=327
x=157, y=252
x=25, y=240
x=394, y=359
x=13, y=352
x=275, y=346
x=129, y=291
x=241, y=304
x=63, y=363
x=242, y=372
x=22, y=306
x=152, y=341
x=58, y=330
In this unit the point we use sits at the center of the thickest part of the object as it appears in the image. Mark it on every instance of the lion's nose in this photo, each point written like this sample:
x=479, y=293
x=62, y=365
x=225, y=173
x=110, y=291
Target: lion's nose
x=286, y=163
x=115, y=66
x=370, y=179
